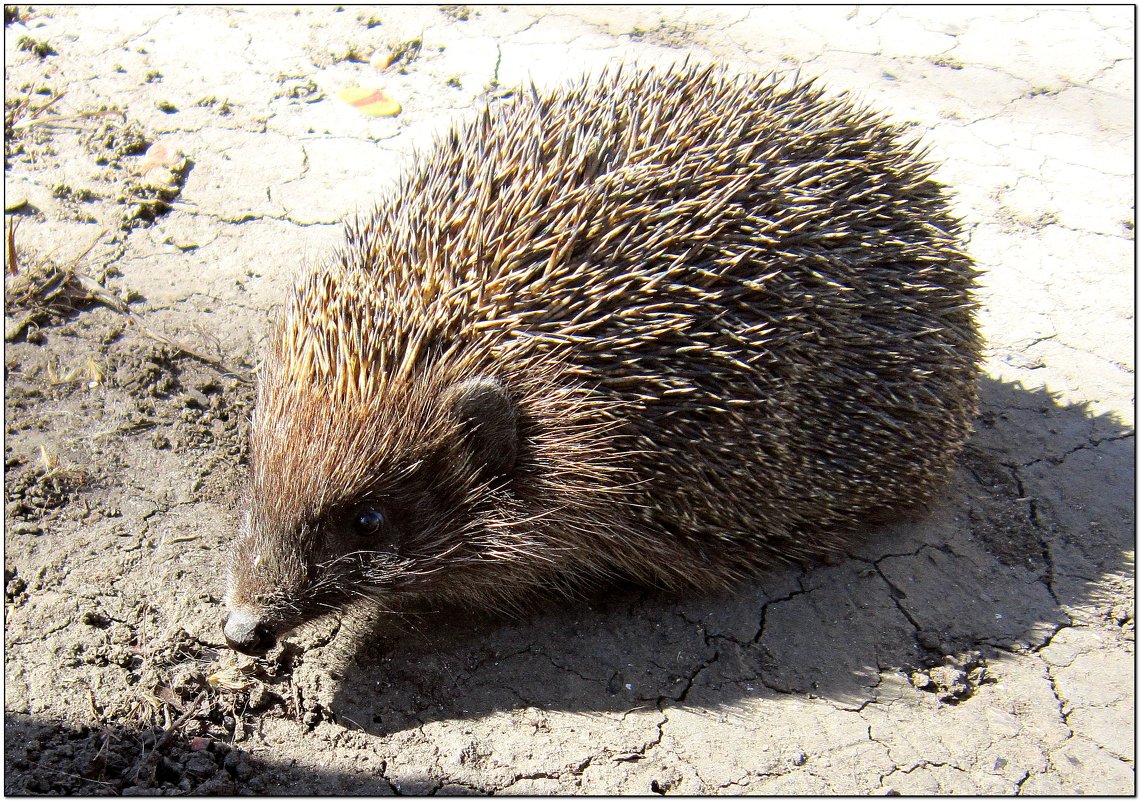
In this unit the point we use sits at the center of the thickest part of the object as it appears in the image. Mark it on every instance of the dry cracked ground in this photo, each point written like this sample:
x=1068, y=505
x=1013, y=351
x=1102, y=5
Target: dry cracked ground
x=166, y=172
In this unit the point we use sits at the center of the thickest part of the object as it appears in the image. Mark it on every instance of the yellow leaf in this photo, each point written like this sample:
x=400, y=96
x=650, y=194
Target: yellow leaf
x=370, y=101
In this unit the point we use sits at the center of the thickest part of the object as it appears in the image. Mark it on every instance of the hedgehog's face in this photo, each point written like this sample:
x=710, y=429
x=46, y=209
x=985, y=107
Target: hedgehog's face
x=376, y=520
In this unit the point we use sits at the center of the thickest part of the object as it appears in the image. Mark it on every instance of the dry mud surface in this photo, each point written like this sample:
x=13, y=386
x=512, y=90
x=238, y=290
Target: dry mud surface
x=192, y=158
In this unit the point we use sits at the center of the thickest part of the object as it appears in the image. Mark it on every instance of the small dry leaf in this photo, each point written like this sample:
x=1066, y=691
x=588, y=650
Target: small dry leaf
x=49, y=461
x=160, y=165
x=228, y=678
x=370, y=101
x=94, y=373
x=158, y=154
x=13, y=255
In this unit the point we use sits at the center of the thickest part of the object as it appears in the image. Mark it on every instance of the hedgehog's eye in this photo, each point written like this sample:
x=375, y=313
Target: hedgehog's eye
x=369, y=521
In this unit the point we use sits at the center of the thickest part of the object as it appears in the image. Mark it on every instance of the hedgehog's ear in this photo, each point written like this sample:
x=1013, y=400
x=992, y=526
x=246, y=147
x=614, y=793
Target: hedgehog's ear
x=488, y=419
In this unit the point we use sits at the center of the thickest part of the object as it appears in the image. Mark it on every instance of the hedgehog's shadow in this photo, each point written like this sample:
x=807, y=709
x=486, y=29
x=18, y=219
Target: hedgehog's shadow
x=999, y=566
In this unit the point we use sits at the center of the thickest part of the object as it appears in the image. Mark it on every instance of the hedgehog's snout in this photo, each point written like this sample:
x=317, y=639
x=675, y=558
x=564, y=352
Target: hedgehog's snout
x=246, y=634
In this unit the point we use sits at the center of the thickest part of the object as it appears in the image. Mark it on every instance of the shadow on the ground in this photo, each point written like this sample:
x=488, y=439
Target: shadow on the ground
x=1039, y=519
x=43, y=757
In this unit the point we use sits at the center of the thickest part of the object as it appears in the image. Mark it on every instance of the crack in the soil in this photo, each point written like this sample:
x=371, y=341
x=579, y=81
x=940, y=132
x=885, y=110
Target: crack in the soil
x=1034, y=510
x=383, y=774
x=1084, y=446
x=1057, y=697
x=691, y=678
x=772, y=601
x=575, y=770
x=895, y=593
x=564, y=668
x=1018, y=784
x=499, y=60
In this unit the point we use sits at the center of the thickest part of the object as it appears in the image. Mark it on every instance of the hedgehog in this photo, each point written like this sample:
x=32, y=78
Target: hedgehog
x=674, y=327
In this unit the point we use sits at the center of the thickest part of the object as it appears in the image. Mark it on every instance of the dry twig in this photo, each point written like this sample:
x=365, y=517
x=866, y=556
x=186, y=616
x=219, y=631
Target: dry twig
x=50, y=288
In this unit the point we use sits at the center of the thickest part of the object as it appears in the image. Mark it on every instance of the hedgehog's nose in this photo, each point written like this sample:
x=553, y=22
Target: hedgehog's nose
x=246, y=635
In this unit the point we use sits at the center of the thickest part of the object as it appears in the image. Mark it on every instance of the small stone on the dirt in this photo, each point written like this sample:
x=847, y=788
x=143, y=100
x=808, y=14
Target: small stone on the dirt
x=194, y=399
x=237, y=763
x=947, y=677
x=96, y=619
x=260, y=697
x=201, y=765
x=930, y=640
